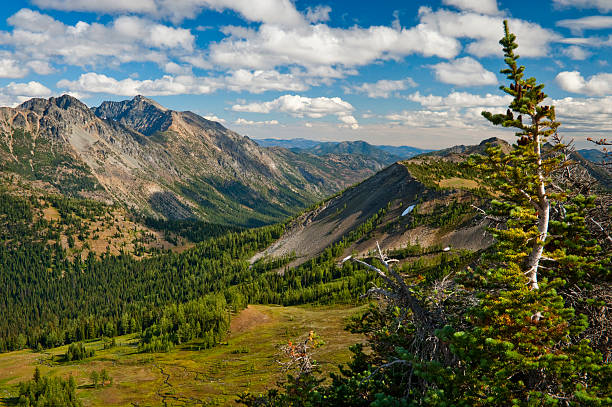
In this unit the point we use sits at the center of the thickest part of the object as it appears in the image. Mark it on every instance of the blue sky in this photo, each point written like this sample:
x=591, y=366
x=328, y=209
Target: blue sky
x=389, y=72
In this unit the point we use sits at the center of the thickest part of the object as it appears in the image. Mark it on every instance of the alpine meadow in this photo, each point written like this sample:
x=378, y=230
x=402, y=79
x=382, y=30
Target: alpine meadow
x=273, y=203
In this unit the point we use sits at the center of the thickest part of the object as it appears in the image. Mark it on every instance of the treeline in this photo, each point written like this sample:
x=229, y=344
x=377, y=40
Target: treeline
x=194, y=230
x=50, y=300
x=78, y=351
x=46, y=391
x=206, y=319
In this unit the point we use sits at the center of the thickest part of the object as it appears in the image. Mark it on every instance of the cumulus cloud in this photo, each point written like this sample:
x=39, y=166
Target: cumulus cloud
x=318, y=14
x=238, y=81
x=301, y=106
x=107, y=6
x=270, y=11
x=214, y=118
x=244, y=122
x=601, y=5
x=41, y=38
x=167, y=85
x=464, y=71
x=15, y=93
x=11, y=68
x=460, y=99
x=259, y=81
x=586, y=23
x=485, y=31
x=322, y=46
x=383, y=88
x=576, y=53
x=479, y=6
x=596, y=85
x=585, y=115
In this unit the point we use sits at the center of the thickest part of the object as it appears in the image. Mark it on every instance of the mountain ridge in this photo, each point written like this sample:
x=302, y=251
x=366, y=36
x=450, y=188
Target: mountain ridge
x=165, y=163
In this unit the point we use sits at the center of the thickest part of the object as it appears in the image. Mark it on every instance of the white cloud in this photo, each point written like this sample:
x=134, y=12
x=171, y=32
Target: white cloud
x=586, y=23
x=318, y=14
x=270, y=11
x=238, y=81
x=479, y=6
x=598, y=85
x=167, y=85
x=261, y=81
x=464, y=71
x=383, y=88
x=576, y=53
x=15, y=93
x=429, y=119
x=40, y=67
x=107, y=6
x=601, y=5
x=585, y=115
x=244, y=122
x=40, y=38
x=460, y=99
x=534, y=41
x=11, y=68
x=301, y=106
x=319, y=45
x=214, y=118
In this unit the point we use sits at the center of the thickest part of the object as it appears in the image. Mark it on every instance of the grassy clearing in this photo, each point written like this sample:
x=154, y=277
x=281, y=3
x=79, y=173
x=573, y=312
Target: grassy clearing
x=186, y=375
x=459, y=183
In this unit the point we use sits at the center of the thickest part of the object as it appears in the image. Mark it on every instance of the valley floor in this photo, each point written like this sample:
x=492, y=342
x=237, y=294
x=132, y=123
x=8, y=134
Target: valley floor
x=248, y=360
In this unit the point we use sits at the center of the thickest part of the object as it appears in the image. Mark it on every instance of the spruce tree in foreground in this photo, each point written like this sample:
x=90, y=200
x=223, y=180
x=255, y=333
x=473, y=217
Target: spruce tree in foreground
x=523, y=174
x=521, y=347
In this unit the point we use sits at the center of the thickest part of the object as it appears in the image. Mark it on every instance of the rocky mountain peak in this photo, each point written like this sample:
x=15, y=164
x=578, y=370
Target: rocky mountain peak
x=63, y=102
x=140, y=113
x=142, y=102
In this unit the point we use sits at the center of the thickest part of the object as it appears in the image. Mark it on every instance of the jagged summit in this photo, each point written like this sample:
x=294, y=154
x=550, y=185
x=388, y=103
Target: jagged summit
x=63, y=102
x=142, y=100
x=140, y=113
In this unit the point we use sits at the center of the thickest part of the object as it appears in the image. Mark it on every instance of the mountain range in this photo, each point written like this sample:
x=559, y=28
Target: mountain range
x=385, y=152
x=164, y=163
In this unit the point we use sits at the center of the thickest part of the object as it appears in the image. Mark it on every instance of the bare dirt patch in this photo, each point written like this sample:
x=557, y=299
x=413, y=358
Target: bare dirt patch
x=249, y=318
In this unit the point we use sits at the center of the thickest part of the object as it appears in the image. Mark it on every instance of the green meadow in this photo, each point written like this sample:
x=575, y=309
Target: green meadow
x=247, y=361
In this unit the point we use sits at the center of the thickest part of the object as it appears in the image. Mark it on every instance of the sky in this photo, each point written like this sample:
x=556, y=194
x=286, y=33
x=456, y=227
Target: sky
x=392, y=72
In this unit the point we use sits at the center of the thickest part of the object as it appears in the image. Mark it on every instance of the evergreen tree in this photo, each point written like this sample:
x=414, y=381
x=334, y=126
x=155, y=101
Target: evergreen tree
x=523, y=174
x=519, y=348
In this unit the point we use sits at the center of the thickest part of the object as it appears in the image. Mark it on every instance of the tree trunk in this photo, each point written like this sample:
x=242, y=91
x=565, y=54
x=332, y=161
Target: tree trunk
x=543, y=208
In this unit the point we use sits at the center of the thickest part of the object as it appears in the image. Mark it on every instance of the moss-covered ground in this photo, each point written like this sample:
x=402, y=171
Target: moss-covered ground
x=247, y=361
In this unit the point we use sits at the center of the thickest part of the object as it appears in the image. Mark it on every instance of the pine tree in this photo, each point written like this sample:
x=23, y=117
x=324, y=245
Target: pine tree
x=519, y=348
x=523, y=174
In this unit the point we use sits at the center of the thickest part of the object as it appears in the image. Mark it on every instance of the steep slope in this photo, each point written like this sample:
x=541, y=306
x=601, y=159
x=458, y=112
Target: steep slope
x=164, y=163
x=408, y=208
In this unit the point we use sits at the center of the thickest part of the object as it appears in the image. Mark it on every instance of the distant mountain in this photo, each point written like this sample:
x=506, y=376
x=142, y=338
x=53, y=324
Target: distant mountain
x=403, y=151
x=387, y=154
x=300, y=143
x=591, y=160
x=354, y=147
x=592, y=154
x=161, y=162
